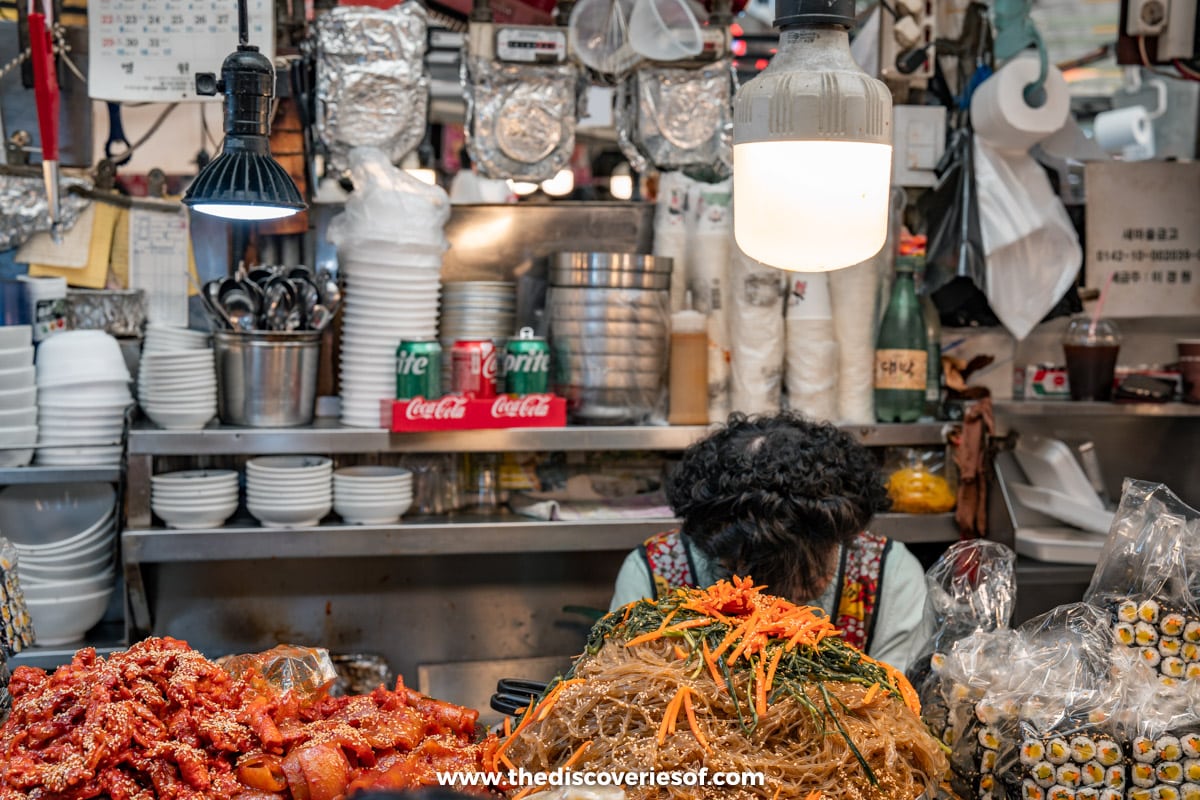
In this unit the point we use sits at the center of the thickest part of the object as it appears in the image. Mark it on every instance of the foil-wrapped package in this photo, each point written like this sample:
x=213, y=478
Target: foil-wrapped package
x=520, y=117
x=24, y=211
x=677, y=117
x=372, y=88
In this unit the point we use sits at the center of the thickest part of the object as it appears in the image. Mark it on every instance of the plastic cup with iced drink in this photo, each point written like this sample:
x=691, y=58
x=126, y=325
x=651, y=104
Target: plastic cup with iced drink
x=1091, y=348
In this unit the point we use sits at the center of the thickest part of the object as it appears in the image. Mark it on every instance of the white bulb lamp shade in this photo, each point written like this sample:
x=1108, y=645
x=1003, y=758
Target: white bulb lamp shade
x=522, y=188
x=561, y=185
x=812, y=156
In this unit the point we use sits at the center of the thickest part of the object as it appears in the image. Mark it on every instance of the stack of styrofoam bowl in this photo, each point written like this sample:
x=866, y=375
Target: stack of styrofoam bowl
x=475, y=310
x=64, y=535
x=289, y=491
x=391, y=296
x=192, y=499
x=178, y=388
x=83, y=395
x=372, y=495
x=18, y=396
x=164, y=338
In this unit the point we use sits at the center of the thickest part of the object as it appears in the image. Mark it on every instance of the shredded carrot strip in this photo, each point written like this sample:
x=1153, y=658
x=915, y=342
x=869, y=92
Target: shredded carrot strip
x=815, y=794
x=691, y=718
x=680, y=653
x=504, y=760
x=870, y=695
x=578, y=754
x=747, y=637
x=688, y=625
x=672, y=711
x=760, y=688
x=772, y=667
x=662, y=631
x=778, y=790
x=508, y=726
x=728, y=640
x=667, y=619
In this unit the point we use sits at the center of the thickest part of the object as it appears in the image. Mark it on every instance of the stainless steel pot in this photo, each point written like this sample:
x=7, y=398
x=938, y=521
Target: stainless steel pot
x=576, y=298
x=267, y=380
x=610, y=279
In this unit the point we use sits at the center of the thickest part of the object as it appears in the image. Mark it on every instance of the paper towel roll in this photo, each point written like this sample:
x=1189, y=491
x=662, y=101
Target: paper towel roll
x=1000, y=115
x=1117, y=129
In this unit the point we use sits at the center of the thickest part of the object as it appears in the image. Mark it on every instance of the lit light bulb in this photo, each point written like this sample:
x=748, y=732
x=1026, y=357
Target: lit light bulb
x=561, y=185
x=812, y=150
x=522, y=188
x=250, y=213
x=620, y=184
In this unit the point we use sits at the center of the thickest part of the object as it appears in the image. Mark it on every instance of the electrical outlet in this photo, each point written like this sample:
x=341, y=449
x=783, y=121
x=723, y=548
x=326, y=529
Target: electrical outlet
x=1146, y=17
x=919, y=139
x=903, y=40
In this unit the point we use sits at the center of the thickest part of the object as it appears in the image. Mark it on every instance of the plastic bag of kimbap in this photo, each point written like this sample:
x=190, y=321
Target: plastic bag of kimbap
x=1144, y=580
x=976, y=694
x=1161, y=733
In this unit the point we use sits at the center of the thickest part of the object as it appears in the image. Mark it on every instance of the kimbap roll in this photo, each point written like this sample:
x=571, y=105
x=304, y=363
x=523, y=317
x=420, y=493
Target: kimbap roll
x=1191, y=631
x=1127, y=611
x=1191, y=770
x=1189, y=791
x=1083, y=749
x=987, y=783
x=1062, y=793
x=1193, y=671
x=987, y=762
x=1068, y=775
x=1123, y=634
x=1170, y=646
x=1172, y=623
x=1092, y=773
x=1148, y=611
x=1111, y=794
x=989, y=737
x=1190, y=652
x=1166, y=793
x=1145, y=634
x=1114, y=777
x=1173, y=667
x=1169, y=748
x=987, y=713
x=1141, y=794
x=937, y=661
x=1108, y=752
x=1143, y=749
x=1043, y=774
x=1087, y=793
x=1032, y=751
x=1149, y=656
x=1031, y=791
x=1169, y=772
x=1190, y=742
x=1057, y=751
x=1142, y=774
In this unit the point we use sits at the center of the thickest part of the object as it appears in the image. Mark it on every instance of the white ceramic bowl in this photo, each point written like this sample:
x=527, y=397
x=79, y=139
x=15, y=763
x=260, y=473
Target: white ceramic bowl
x=195, y=518
x=17, y=447
x=19, y=418
x=372, y=474
x=191, y=478
x=57, y=622
x=16, y=358
x=203, y=492
x=79, y=356
x=181, y=419
x=92, y=455
x=17, y=378
x=89, y=395
x=272, y=496
x=289, y=516
x=13, y=336
x=289, y=466
x=362, y=513
x=76, y=414
x=70, y=579
x=88, y=551
x=18, y=398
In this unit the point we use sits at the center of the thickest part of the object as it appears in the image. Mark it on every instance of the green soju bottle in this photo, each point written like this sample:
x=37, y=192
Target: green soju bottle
x=901, y=357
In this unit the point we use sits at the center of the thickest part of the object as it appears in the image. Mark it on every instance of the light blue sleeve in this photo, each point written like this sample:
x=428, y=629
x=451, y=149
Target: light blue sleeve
x=633, y=581
x=899, y=630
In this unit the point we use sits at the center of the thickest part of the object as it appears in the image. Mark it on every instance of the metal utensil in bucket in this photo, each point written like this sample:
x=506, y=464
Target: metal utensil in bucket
x=267, y=380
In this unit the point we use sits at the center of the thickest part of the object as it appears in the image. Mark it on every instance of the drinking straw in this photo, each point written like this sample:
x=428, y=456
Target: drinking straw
x=1100, y=305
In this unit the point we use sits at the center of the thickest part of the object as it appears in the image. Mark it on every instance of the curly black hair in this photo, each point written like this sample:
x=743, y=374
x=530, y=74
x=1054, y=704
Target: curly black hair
x=773, y=496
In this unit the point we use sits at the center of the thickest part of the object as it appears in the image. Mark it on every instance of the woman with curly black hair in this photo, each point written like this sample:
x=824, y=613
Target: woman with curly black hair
x=787, y=501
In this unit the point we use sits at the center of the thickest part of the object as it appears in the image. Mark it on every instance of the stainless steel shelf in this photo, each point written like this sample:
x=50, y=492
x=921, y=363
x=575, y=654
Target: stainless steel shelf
x=428, y=537
x=1033, y=573
x=106, y=638
x=25, y=475
x=1064, y=408
x=328, y=436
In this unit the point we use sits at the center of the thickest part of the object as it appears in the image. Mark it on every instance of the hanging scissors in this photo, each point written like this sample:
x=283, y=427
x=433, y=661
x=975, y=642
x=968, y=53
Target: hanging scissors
x=116, y=148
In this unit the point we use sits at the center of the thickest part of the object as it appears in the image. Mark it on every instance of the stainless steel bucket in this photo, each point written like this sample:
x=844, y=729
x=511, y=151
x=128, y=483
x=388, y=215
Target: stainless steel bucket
x=267, y=380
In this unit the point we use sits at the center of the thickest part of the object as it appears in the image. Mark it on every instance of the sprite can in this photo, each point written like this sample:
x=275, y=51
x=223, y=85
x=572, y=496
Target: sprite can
x=418, y=369
x=527, y=364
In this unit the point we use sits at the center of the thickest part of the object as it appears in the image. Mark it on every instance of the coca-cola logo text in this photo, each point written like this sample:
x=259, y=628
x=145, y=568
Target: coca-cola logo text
x=448, y=407
x=529, y=406
x=489, y=365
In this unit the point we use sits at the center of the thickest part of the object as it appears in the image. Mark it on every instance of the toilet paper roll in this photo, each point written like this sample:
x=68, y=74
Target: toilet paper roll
x=1117, y=129
x=1000, y=115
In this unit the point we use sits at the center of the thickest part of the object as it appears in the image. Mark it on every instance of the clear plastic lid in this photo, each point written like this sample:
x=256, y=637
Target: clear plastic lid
x=1082, y=331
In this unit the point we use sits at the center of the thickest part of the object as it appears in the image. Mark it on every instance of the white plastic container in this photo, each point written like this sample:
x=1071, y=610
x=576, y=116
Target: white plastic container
x=47, y=299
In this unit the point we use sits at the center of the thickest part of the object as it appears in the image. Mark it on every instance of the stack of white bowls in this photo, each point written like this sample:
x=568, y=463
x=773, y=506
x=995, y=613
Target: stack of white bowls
x=391, y=295
x=64, y=538
x=165, y=338
x=372, y=495
x=18, y=396
x=475, y=310
x=83, y=394
x=178, y=388
x=289, y=491
x=193, y=499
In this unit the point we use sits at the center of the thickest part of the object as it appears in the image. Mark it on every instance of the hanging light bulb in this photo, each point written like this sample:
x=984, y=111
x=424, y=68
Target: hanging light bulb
x=812, y=147
x=244, y=182
x=620, y=183
x=561, y=185
x=522, y=188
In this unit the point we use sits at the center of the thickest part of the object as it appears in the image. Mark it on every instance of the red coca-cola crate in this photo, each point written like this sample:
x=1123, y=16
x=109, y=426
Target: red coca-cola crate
x=456, y=412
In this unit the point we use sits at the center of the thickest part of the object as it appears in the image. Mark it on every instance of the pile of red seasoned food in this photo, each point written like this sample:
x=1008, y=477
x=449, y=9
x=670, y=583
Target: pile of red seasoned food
x=161, y=721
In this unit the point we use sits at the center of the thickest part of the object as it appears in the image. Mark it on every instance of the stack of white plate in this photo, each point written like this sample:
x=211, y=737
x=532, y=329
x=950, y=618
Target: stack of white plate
x=291, y=491
x=18, y=396
x=475, y=310
x=372, y=495
x=64, y=538
x=83, y=394
x=385, y=304
x=202, y=498
x=161, y=338
x=178, y=388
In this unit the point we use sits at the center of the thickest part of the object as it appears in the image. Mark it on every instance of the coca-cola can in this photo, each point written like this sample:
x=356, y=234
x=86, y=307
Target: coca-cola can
x=473, y=365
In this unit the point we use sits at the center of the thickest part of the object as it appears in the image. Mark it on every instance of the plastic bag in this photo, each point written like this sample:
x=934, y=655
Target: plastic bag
x=1144, y=578
x=307, y=671
x=1033, y=253
x=920, y=481
x=389, y=207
